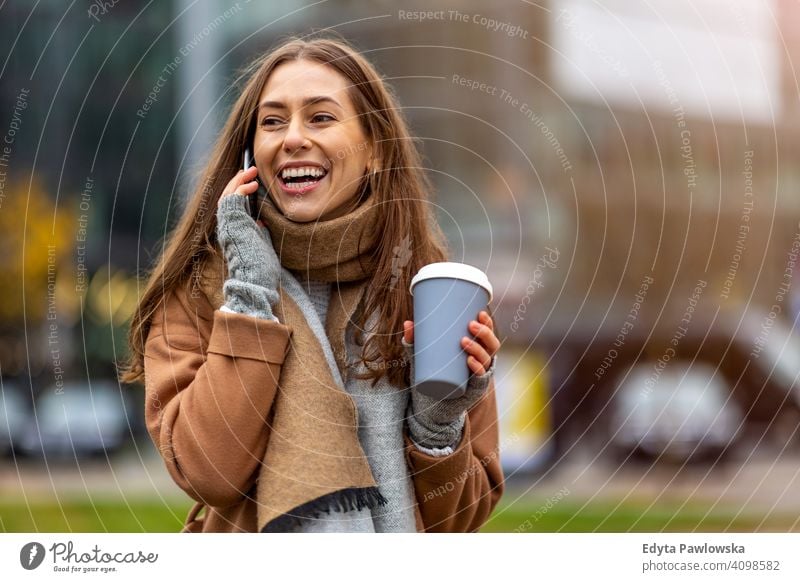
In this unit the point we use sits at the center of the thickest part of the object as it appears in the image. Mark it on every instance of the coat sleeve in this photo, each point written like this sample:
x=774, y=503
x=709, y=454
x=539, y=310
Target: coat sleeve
x=209, y=395
x=458, y=492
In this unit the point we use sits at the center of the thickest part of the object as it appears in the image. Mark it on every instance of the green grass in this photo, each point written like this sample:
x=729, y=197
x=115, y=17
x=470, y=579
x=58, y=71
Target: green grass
x=114, y=515
x=630, y=517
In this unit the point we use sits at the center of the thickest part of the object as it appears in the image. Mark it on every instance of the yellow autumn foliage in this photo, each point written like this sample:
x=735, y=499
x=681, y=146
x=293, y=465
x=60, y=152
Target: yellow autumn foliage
x=37, y=241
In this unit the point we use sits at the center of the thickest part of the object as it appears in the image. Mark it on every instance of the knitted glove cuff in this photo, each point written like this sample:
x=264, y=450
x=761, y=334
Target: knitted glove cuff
x=431, y=434
x=250, y=299
x=439, y=423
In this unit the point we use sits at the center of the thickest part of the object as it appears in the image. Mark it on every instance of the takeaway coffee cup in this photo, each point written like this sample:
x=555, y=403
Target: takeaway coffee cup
x=447, y=296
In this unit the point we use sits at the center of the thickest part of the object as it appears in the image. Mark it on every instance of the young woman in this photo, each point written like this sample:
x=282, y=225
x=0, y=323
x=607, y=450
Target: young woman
x=277, y=352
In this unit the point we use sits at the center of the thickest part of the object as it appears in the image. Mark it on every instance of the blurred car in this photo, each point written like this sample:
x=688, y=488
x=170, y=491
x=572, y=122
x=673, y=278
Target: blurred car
x=777, y=354
x=78, y=420
x=14, y=415
x=683, y=412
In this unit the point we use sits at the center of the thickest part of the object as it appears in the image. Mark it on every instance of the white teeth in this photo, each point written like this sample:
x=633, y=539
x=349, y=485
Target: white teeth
x=304, y=171
x=298, y=185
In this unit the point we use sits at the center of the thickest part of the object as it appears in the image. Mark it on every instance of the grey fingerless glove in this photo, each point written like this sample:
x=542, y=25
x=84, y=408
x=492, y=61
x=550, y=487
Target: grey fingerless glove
x=437, y=424
x=253, y=266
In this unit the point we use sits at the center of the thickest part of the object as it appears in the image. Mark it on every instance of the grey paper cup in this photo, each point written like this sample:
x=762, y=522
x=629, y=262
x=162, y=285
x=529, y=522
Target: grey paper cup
x=447, y=296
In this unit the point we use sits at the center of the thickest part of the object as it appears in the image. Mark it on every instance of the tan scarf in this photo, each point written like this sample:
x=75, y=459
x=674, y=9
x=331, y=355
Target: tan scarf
x=333, y=250
x=314, y=461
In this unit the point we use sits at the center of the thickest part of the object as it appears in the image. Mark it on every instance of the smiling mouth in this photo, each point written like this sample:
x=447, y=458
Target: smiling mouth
x=301, y=179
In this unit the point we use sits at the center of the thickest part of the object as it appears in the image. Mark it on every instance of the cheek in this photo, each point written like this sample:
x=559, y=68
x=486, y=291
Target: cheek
x=350, y=173
x=348, y=149
x=266, y=145
x=353, y=165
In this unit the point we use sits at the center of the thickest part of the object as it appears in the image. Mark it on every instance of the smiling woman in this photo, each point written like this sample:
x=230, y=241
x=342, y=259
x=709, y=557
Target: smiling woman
x=276, y=352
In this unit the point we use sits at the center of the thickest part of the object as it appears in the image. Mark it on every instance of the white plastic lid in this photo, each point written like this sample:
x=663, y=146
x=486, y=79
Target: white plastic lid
x=453, y=271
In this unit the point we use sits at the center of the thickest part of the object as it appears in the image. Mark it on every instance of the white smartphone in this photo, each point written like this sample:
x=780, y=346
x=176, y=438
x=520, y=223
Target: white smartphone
x=253, y=198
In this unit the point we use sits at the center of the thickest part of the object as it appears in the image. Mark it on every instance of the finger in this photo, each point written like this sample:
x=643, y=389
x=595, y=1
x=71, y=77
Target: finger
x=475, y=366
x=477, y=351
x=408, y=331
x=247, y=188
x=241, y=177
x=485, y=336
x=246, y=175
x=241, y=190
x=486, y=320
x=231, y=185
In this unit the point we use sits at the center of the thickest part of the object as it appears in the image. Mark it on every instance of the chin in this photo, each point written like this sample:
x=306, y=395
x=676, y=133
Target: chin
x=301, y=218
x=299, y=213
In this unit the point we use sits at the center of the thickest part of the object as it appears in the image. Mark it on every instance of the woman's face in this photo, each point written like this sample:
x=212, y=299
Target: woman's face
x=309, y=146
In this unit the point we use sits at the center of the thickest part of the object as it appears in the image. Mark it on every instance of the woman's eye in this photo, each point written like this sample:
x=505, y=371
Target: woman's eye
x=322, y=118
x=271, y=121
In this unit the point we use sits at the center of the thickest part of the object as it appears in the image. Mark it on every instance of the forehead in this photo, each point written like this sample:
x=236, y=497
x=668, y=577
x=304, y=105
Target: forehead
x=293, y=81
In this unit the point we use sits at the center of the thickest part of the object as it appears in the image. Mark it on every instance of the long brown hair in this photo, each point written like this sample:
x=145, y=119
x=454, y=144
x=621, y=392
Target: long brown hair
x=411, y=238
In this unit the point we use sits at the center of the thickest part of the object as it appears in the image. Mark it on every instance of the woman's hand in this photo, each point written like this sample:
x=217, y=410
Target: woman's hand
x=480, y=350
x=243, y=183
x=253, y=267
x=438, y=424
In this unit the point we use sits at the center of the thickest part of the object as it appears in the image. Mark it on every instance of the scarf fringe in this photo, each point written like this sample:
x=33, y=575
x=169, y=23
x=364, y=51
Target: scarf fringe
x=350, y=499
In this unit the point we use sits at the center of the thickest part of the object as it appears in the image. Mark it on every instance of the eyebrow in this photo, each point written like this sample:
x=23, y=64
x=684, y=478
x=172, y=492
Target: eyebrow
x=306, y=102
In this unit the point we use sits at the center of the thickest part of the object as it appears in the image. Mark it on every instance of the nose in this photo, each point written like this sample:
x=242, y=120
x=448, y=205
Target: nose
x=295, y=138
